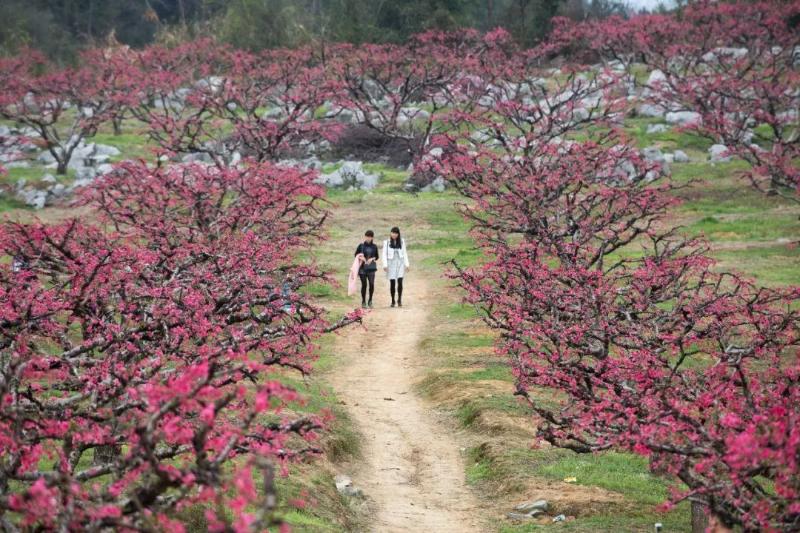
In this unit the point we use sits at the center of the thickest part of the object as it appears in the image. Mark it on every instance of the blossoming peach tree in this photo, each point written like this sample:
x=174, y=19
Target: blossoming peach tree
x=619, y=333
x=140, y=357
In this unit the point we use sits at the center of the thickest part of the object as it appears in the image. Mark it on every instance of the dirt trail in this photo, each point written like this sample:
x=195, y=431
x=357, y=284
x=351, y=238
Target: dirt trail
x=412, y=471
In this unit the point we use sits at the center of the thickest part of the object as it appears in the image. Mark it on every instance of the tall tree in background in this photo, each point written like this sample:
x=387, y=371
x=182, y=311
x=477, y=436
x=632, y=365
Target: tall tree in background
x=62, y=27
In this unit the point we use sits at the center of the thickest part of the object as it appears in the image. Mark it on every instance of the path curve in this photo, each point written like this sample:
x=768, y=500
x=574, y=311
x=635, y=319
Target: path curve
x=412, y=469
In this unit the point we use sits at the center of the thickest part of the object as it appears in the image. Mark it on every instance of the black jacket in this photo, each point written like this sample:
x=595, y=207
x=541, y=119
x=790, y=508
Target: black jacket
x=370, y=250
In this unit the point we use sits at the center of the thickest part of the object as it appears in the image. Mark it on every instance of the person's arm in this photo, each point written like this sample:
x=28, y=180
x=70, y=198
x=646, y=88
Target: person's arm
x=385, y=253
x=358, y=250
x=405, y=254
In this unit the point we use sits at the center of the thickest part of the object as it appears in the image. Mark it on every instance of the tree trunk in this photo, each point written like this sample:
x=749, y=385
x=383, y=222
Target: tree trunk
x=699, y=518
x=61, y=167
x=105, y=454
x=117, y=123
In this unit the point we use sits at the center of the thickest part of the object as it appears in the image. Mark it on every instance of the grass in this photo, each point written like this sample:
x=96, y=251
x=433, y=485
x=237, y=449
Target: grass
x=10, y=203
x=620, y=472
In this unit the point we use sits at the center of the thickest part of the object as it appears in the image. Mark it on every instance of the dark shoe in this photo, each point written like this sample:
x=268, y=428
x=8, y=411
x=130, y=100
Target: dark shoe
x=399, y=304
x=370, y=305
x=392, y=305
x=364, y=305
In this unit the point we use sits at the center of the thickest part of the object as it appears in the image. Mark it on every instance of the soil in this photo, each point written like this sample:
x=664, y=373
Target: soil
x=412, y=469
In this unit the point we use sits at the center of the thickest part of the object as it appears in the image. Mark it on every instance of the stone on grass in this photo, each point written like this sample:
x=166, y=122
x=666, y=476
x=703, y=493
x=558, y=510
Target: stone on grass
x=656, y=78
x=437, y=185
x=683, y=118
x=58, y=190
x=32, y=197
x=345, y=486
x=106, y=150
x=350, y=176
x=680, y=156
x=656, y=128
x=518, y=516
x=650, y=110
x=718, y=153
x=45, y=158
x=538, y=505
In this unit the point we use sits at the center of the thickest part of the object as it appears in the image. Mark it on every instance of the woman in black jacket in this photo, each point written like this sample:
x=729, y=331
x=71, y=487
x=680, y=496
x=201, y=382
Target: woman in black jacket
x=368, y=267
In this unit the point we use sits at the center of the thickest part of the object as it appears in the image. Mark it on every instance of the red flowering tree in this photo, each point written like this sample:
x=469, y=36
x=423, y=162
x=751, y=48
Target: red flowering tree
x=139, y=367
x=273, y=100
x=170, y=83
x=63, y=106
x=114, y=69
x=733, y=64
x=204, y=99
x=601, y=305
x=403, y=92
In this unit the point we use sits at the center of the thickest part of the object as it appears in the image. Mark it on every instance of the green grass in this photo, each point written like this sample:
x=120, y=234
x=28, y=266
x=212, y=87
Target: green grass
x=773, y=266
x=9, y=203
x=620, y=472
x=753, y=228
x=34, y=174
x=625, y=474
x=669, y=140
x=132, y=144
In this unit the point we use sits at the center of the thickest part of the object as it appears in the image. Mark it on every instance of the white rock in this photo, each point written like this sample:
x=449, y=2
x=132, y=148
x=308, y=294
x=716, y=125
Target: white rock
x=45, y=158
x=718, y=154
x=104, y=169
x=196, y=157
x=683, y=117
x=650, y=110
x=539, y=505
x=656, y=78
x=580, y=114
x=680, y=156
x=58, y=190
x=653, y=153
x=33, y=197
x=656, y=128
x=106, y=150
x=437, y=185
x=351, y=175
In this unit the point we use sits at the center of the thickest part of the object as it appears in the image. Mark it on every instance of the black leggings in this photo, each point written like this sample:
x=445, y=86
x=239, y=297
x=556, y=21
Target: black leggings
x=368, y=276
x=399, y=289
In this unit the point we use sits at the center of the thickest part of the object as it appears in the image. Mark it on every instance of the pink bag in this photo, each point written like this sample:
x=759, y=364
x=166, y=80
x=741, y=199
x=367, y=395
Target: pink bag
x=352, y=279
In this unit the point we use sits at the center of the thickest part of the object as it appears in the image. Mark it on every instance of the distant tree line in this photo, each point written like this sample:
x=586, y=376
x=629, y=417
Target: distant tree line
x=61, y=27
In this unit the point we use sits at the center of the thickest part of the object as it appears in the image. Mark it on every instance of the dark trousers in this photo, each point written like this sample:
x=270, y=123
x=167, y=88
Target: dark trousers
x=399, y=286
x=365, y=278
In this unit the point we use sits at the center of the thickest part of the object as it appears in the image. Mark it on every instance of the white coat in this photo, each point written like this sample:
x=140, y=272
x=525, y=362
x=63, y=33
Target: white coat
x=395, y=259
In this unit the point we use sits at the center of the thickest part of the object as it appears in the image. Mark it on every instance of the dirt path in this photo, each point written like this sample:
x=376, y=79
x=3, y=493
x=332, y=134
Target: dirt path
x=412, y=472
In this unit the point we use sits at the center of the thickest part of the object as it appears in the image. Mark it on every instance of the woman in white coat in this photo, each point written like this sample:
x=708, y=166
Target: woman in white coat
x=395, y=263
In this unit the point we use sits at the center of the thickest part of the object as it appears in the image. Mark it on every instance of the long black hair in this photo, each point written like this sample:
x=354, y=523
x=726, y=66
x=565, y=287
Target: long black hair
x=399, y=242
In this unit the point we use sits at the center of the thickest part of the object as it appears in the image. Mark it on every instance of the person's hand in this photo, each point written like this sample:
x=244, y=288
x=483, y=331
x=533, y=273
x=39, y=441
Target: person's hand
x=408, y=268
x=386, y=269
